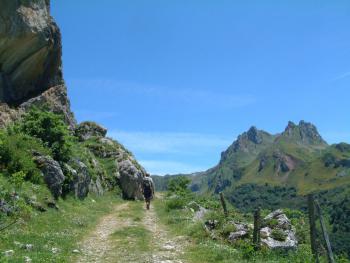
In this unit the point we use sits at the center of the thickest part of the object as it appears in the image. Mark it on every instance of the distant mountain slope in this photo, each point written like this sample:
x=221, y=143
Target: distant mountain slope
x=298, y=157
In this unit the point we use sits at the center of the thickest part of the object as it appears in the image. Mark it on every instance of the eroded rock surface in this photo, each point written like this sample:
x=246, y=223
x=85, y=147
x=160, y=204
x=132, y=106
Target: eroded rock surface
x=52, y=173
x=88, y=129
x=30, y=60
x=278, y=232
x=30, y=50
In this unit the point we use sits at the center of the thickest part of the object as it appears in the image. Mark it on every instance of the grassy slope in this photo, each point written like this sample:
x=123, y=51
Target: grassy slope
x=203, y=249
x=60, y=229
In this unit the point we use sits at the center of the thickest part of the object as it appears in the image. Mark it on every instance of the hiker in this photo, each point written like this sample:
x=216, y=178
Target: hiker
x=148, y=189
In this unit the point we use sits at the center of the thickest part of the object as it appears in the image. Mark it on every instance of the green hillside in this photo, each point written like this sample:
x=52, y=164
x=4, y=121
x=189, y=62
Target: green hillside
x=298, y=157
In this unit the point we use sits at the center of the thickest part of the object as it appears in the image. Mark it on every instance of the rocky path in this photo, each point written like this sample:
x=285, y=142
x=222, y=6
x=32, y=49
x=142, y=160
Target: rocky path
x=166, y=249
x=131, y=234
x=97, y=246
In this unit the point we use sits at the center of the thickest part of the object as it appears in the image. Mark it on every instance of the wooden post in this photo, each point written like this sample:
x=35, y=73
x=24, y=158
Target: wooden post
x=257, y=226
x=312, y=221
x=325, y=234
x=223, y=203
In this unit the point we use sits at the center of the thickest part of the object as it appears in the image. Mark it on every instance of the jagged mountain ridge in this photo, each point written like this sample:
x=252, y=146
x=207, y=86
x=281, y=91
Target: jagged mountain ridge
x=292, y=158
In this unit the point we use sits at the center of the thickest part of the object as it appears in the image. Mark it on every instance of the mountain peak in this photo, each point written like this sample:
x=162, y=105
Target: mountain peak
x=304, y=132
x=254, y=135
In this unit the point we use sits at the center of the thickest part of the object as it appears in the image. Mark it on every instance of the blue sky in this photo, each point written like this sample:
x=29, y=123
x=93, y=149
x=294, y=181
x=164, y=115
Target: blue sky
x=177, y=80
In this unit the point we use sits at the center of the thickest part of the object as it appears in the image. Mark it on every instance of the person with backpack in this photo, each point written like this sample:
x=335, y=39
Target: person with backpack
x=148, y=190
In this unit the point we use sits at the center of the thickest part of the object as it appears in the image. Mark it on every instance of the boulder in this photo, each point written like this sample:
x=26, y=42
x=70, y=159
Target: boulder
x=234, y=236
x=242, y=231
x=200, y=214
x=267, y=239
x=88, y=129
x=130, y=180
x=280, y=234
x=52, y=173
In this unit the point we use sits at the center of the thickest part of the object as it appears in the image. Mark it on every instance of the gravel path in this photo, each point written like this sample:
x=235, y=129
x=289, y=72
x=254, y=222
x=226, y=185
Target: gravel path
x=101, y=246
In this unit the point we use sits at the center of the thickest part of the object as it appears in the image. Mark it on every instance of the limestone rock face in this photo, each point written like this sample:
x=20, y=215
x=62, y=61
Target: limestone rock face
x=52, y=173
x=30, y=60
x=30, y=50
x=56, y=100
x=81, y=178
x=88, y=129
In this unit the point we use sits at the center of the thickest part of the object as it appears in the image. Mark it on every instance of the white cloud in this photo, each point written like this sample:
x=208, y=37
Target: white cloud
x=194, y=96
x=158, y=142
x=158, y=167
x=171, y=153
x=342, y=76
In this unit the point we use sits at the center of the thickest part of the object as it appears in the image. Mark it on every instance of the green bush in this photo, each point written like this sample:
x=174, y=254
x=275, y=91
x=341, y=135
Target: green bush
x=278, y=234
x=50, y=129
x=227, y=229
x=179, y=185
x=175, y=203
x=16, y=155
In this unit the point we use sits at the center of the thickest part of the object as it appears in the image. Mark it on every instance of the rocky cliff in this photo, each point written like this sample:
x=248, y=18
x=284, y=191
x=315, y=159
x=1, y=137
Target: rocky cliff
x=30, y=60
x=31, y=75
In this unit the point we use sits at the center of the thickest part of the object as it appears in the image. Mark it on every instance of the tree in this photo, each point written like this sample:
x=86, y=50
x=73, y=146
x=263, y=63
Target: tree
x=179, y=185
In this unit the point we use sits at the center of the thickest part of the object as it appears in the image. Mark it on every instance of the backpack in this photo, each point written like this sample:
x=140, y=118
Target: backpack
x=147, y=187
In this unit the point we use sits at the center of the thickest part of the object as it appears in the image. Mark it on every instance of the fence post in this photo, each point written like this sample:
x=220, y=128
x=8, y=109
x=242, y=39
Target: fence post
x=257, y=226
x=223, y=203
x=312, y=221
x=325, y=234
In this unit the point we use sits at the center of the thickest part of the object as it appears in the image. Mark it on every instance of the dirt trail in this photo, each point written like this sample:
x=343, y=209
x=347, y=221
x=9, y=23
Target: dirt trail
x=166, y=249
x=97, y=245
x=102, y=246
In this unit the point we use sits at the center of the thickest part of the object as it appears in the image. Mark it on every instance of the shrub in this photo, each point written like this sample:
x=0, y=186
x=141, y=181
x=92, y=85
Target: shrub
x=17, y=179
x=278, y=234
x=179, y=185
x=227, y=229
x=175, y=203
x=50, y=129
x=16, y=155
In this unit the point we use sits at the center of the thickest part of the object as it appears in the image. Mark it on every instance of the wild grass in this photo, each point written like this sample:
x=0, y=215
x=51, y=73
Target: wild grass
x=58, y=230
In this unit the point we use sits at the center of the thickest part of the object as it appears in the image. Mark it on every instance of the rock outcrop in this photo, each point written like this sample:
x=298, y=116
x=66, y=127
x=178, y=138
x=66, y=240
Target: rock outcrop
x=127, y=173
x=52, y=173
x=278, y=232
x=30, y=50
x=304, y=133
x=88, y=129
x=30, y=60
x=31, y=75
x=81, y=178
